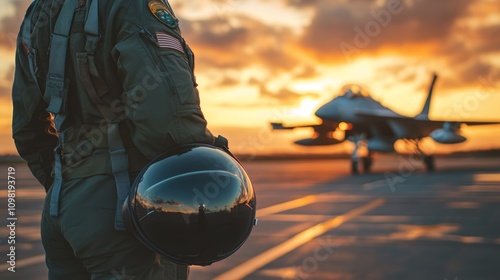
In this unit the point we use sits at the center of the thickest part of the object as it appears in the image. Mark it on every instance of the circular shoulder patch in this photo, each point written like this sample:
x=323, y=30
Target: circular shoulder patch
x=163, y=14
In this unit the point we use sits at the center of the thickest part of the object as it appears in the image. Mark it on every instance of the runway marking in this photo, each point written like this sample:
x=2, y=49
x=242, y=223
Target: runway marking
x=487, y=178
x=301, y=238
x=296, y=218
x=292, y=204
x=463, y=204
x=480, y=188
x=306, y=200
x=25, y=262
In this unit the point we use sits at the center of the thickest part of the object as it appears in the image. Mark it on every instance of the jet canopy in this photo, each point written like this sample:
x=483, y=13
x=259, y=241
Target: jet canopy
x=354, y=91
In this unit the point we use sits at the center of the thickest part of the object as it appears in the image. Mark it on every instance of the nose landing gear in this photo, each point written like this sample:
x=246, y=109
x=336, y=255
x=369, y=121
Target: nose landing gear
x=366, y=161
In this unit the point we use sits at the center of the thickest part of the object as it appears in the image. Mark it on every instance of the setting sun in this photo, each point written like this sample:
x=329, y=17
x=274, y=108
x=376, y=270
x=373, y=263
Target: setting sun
x=306, y=109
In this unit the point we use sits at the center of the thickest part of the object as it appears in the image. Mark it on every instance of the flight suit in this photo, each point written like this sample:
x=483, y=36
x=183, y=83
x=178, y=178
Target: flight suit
x=138, y=75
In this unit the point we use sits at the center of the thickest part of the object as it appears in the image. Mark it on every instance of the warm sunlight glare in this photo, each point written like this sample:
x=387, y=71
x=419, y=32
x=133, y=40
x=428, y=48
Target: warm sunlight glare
x=306, y=109
x=343, y=126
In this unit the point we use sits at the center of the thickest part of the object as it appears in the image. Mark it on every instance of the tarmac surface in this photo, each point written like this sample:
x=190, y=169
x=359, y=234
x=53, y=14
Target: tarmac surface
x=316, y=221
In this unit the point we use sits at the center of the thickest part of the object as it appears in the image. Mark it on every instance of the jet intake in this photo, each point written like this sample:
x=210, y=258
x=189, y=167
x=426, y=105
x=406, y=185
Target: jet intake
x=381, y=145
x=319, y=141
x=448, y=134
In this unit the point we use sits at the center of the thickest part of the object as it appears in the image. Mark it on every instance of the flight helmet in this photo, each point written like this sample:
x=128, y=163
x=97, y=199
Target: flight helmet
x=193, y=205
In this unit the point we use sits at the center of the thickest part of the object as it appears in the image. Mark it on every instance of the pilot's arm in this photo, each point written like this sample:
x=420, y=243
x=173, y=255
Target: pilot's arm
x=32, y=128
x=163, y=105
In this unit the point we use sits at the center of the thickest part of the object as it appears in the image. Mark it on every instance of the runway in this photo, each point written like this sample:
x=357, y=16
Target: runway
x=316, y=221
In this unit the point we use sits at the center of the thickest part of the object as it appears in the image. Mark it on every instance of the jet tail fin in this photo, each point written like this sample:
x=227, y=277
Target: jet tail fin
x=424, y=114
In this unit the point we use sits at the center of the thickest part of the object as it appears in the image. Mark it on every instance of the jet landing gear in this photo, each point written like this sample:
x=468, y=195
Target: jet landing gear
x=427, y=160
x=365, y=162
x=354, y=165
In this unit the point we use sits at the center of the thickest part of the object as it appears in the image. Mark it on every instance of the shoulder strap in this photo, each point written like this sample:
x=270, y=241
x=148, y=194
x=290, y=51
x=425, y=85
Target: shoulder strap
x=92, y=26
x=96, y=90
x=57, y=88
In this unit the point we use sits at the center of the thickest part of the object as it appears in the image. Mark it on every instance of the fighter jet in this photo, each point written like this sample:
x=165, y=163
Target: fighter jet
x=367, y=123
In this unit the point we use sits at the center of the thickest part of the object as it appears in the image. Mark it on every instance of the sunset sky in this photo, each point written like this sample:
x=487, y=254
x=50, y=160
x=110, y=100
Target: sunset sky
x=260, y=61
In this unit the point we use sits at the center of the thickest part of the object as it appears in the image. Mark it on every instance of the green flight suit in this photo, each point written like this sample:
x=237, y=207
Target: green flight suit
x=141, y=70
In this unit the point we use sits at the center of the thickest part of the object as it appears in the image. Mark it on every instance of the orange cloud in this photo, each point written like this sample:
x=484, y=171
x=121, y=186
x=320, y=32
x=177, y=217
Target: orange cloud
x=9, y=25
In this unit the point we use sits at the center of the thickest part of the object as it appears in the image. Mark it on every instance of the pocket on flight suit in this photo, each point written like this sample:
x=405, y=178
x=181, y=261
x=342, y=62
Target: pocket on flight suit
x=169, y=51
x=190, y=124
x=178, y=69
x=150, y=96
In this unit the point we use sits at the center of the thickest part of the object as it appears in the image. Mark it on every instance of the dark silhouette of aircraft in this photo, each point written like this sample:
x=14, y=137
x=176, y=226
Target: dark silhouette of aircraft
x=368, y=123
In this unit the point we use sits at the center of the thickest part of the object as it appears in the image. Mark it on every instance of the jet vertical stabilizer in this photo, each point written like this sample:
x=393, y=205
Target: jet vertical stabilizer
x=424, y=114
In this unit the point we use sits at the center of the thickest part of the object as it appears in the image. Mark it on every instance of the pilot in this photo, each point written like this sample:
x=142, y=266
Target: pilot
x=101, y=88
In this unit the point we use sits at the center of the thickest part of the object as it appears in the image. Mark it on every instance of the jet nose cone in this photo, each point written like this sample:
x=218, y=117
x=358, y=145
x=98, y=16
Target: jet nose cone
x=327, y=111
x=321, y=112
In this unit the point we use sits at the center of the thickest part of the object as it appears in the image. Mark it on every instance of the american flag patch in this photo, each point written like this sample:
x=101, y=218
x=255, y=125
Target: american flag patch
x=168, y=41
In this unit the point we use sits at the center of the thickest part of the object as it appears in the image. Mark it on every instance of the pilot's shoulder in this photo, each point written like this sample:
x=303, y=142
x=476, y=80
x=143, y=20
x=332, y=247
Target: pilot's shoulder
x=138, y=12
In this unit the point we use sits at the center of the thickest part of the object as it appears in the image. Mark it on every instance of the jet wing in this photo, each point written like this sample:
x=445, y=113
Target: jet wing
x=321, y=128
x=402, y=127
x=281, y=126
x=390, y=115
x=379, y=113
x=321, y=137
x=478, y=123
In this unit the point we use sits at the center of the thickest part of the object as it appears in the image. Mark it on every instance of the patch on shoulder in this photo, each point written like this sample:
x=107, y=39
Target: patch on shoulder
x=163, y=13
x=169, y=42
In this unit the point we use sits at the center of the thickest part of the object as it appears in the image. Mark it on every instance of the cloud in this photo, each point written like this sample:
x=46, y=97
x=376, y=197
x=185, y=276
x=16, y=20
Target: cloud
x=363, y=27
x=5, y=92
x=230, y=47
x=427, y=31
x=239, y=43
x=302, y=3
x=487, y=38
x=5, y=84
x=305, y=72
x=338, y=32
x=398, y=71
x=472, y=72
x=228, y=81
x=9, y=76
x=285, y=96
x=9, y=25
